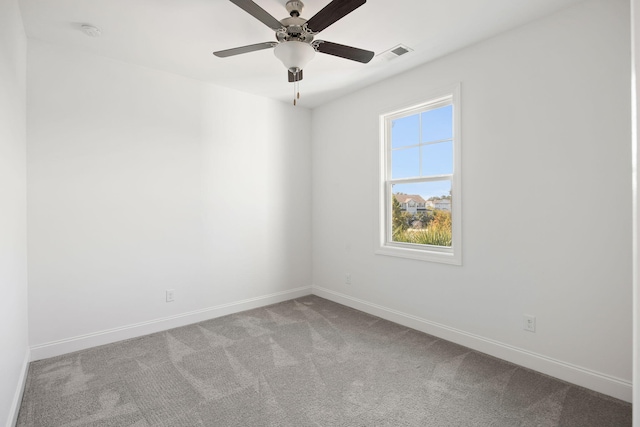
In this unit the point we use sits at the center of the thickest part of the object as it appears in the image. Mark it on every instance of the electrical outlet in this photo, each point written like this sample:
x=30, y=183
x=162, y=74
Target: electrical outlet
x=529, y=323
x=347, y=278
x=170, y=295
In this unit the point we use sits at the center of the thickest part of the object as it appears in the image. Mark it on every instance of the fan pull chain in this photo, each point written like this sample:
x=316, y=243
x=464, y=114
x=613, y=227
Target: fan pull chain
x=296, y=92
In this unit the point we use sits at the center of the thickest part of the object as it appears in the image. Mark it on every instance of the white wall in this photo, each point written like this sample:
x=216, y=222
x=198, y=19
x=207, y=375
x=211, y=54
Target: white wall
x=635, y=55
x=141, y=181
x=546, y=206
x=13, y=229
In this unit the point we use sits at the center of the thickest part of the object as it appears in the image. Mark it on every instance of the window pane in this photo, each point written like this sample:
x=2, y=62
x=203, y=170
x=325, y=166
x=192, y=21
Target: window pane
x=437, y=159
x=405, y=163
x=421, y=213
x=405, y=131
x=437, y=124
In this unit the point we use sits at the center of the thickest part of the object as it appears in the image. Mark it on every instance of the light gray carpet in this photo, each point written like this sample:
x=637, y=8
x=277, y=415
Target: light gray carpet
x=305, y=362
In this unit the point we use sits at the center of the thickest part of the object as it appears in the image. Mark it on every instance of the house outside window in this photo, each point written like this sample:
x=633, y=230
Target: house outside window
x=419, y=197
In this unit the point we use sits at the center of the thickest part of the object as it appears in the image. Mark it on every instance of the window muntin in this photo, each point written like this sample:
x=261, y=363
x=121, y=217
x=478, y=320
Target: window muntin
x=420, y=171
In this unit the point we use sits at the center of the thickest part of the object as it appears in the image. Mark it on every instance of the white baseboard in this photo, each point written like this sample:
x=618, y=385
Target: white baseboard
x=17, y=397
x=606, y=384
x=68, y=345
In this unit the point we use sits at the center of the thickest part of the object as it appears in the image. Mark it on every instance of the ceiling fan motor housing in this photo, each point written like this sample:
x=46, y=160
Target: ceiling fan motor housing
x=294, y=30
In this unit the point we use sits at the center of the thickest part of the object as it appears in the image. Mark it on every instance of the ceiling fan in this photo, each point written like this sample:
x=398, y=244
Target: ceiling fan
x=295, y=45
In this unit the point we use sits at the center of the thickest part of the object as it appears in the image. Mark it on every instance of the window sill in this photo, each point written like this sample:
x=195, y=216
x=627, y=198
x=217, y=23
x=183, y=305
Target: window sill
x=444, y=256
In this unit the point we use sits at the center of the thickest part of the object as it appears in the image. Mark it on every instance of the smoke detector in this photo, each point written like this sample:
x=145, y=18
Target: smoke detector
x=90, y=30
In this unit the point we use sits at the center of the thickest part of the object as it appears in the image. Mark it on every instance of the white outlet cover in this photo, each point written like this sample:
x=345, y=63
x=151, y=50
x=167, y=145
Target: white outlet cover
x=529, y=323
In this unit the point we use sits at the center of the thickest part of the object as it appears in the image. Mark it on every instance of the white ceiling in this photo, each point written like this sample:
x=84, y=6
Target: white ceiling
x=179, y=36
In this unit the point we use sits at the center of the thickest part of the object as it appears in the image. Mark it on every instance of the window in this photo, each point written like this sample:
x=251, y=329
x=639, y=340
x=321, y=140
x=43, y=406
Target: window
x=420, y=181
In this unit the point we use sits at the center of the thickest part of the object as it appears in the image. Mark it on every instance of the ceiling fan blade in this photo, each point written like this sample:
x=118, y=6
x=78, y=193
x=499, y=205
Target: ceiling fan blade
x=347, y=52
x=244, y=49
x=332, y=12
x=259, y=13
x=295, y=77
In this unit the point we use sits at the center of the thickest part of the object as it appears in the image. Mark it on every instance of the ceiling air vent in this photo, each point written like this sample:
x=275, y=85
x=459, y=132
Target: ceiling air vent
x=394, y=52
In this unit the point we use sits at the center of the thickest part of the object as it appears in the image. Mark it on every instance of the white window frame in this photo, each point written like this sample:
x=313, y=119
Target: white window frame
x=384, y=244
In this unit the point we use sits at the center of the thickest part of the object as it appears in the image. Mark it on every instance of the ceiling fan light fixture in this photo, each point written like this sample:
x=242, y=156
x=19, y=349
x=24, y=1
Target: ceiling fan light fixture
x=294, y=55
